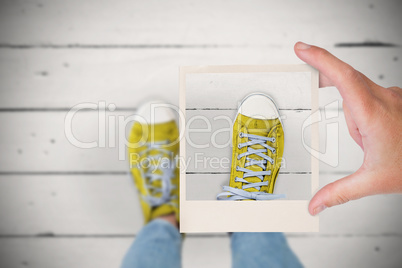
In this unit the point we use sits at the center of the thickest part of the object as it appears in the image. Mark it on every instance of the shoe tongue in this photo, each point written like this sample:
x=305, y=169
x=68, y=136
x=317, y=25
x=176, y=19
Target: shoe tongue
x=259, y=127
x=258, y=132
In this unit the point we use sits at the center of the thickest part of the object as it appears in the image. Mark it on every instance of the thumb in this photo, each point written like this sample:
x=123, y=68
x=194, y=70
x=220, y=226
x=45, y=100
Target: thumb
x=351, y=187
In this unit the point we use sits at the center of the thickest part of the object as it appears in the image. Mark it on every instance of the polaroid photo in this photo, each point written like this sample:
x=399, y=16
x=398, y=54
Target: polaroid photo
x=246, y=162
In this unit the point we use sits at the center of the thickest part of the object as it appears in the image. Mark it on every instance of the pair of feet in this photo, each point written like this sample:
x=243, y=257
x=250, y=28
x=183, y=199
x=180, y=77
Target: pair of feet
x=258, y=143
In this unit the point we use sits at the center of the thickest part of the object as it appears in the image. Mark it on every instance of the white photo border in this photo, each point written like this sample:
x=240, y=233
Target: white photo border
x=227, y=216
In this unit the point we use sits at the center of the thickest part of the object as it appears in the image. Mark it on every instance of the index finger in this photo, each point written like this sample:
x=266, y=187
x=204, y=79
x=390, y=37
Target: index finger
x=348, y=81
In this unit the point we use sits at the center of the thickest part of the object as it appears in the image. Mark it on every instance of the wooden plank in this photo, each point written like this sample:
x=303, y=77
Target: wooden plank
x=373, y=214
x=206, y=252
x=36, y=142
x=48, y=78
x=103, y=252
x=227, y=90
x=92, y=252
x=256, y=22
x=313, y=252
x=69, y=204
x=108, y=205
x=348, y=252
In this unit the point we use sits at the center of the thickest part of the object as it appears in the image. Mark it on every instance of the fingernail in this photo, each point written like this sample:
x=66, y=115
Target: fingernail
x=319, y=209
x=302, y=46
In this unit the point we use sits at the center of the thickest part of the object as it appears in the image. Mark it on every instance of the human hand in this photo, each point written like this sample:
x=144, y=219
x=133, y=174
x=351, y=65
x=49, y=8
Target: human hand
x=374, y=118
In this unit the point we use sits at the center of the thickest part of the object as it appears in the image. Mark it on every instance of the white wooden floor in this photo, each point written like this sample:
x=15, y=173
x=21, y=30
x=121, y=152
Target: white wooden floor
x=61, y=206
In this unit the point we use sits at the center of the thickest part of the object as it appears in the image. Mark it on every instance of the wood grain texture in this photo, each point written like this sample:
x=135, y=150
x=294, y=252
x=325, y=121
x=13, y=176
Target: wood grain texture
x=226, y=90
x=54, y=55
x=62, y=78
x=226, y=23
x=36, y=142
x=93, y=205
x=348, y=252
x=314, y=252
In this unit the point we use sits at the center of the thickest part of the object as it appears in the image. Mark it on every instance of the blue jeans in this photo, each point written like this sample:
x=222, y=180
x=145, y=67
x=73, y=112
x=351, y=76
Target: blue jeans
x=158, y=244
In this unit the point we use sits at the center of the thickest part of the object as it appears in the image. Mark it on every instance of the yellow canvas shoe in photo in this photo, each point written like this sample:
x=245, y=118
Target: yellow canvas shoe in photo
x=258, y=143
x=152, y=150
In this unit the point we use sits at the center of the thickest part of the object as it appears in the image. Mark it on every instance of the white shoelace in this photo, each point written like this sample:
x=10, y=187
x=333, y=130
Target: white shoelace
x=231, y=193
x=165, y=174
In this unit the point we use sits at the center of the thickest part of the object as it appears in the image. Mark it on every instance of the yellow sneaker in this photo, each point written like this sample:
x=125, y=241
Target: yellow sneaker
x=258, y=143
x=152, y=150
